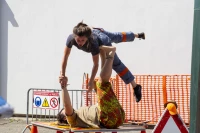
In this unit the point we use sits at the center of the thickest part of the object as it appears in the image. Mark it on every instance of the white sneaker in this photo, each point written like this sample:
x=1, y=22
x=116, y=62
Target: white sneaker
x=5, y=109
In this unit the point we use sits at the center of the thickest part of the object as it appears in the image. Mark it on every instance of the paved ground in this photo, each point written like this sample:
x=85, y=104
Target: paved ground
x=16, y=125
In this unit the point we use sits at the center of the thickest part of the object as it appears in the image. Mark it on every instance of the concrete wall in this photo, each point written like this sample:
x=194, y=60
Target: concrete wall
x=33, y=35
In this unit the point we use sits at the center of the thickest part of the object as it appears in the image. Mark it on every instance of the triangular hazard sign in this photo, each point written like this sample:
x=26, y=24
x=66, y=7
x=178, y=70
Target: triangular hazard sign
x=170, y=124
x=45, y=103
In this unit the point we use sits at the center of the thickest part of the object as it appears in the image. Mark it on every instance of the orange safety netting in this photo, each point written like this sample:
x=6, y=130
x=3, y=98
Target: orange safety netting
x=156, y=90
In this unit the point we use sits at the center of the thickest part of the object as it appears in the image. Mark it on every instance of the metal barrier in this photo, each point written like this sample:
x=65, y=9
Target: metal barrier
x=157, y=89
x=40, y=114
x=50, y=115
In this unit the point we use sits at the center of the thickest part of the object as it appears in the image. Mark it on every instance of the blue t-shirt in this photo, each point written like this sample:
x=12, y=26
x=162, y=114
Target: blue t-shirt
x=91, y=46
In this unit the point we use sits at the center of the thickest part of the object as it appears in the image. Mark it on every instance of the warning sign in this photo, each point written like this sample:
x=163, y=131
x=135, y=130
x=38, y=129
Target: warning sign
x=170, y=124
x=54, y=102
x=38, y=101
x=45, y=103
x=46, y=100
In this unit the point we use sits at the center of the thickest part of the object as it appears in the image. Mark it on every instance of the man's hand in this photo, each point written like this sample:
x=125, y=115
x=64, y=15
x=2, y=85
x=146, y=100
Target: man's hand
x=63, y=81
x=90, y=85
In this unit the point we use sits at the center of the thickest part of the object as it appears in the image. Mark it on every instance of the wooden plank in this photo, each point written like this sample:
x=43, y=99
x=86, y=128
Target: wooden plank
x=63, y=128
x=120, y=129
x=52, y=125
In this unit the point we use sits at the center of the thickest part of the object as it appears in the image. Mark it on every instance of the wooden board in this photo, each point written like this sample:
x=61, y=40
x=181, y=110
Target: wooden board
x=120, y=129
x=63, y=128
x=52, y=125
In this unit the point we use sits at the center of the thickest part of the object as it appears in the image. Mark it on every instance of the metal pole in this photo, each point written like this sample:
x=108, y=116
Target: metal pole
x=195, y=72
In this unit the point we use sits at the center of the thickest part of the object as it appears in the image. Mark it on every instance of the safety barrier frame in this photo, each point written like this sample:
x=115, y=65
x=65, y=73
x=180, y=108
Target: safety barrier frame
x=72, y=93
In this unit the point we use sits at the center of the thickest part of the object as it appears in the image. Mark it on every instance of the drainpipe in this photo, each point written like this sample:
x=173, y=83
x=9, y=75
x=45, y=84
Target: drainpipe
x=195, y=73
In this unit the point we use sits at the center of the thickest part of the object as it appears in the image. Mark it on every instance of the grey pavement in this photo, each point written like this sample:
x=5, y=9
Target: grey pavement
x=17, y=124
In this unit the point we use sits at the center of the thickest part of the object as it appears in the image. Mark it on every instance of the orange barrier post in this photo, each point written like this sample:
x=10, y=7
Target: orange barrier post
x=34, y=129
x=164, y=90
x=143, y=131
x=59, y=132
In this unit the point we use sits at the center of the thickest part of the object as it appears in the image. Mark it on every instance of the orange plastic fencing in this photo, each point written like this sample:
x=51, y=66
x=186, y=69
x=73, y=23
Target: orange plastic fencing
x=151, y=105
x=156, y=90
x=178, y=88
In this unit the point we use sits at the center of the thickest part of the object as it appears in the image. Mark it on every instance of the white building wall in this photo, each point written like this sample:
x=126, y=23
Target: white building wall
x=33, y=35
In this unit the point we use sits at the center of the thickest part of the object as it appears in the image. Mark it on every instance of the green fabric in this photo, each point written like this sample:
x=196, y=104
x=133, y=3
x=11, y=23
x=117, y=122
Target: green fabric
x=111, y=112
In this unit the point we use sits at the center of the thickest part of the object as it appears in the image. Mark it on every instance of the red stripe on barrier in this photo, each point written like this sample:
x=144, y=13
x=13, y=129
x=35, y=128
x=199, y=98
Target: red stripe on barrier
x=179, y=123
x=163, y=122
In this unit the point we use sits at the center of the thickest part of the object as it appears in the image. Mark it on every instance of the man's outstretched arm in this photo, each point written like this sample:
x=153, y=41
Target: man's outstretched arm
x=67, y=101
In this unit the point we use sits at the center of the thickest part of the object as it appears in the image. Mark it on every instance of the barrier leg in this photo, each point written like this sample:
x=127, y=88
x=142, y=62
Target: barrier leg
x=34, y=129
x=59, y=132
x=28, y=126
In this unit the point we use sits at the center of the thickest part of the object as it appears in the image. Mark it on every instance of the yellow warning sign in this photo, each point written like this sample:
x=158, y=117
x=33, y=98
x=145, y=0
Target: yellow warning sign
x=45, y=103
